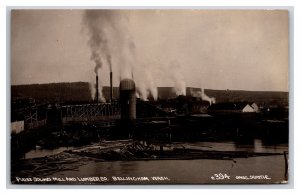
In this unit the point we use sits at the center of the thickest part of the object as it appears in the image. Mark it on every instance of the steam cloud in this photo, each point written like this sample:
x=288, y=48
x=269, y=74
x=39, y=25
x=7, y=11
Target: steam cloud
x=98, y=40
x=201, y=94
x=109, y=62
x=146, y=86
x=177, y=78
x=111, y=43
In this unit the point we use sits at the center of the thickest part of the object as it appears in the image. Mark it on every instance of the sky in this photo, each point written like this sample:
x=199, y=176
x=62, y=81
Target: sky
x=215, y=49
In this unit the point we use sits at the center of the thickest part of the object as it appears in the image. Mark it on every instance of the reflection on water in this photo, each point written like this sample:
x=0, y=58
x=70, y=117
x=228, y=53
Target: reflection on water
x=256, y=146
x=185, y=171
x=192, y=171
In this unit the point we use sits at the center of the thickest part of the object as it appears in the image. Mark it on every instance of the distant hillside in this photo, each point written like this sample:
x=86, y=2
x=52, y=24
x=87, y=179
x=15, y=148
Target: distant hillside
x=80, y=92
x=53, y=92
x=260, y=97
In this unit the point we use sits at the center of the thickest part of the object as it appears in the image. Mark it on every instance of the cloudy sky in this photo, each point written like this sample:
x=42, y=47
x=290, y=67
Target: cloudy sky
x=202, y=48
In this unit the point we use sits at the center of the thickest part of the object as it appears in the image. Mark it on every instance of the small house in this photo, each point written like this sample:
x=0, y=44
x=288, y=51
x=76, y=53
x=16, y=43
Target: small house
x=231, y=107
x=255, y=106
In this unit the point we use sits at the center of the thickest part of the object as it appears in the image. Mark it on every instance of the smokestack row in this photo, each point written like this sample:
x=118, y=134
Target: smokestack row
x=111, y=88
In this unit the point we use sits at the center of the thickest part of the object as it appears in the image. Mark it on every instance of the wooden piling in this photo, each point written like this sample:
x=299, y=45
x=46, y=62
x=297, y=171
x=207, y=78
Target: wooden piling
x=286, y=165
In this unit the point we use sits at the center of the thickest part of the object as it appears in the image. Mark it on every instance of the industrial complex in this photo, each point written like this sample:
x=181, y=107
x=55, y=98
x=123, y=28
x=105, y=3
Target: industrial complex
x=124, y=116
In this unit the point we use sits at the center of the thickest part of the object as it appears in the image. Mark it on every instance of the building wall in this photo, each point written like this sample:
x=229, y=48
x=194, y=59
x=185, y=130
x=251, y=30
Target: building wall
x=255, y=107
x=248, y=108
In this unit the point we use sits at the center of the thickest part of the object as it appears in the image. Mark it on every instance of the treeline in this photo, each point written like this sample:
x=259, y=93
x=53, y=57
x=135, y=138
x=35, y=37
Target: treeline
x=81, y=92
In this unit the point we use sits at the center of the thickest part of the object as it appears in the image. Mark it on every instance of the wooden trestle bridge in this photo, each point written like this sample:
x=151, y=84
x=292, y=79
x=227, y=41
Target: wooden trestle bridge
x=90, y=112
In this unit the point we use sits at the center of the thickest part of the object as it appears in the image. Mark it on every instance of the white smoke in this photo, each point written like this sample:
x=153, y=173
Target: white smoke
x=201, y=94
x=93, y=90
x=92, y=87
x=98, y=25
x=110, y=40
x=112, y=44
x=146, y=86
x=177, y=77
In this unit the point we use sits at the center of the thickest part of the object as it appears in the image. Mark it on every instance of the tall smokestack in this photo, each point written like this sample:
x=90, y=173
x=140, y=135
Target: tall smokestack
x=111, y=86
x=97, y=89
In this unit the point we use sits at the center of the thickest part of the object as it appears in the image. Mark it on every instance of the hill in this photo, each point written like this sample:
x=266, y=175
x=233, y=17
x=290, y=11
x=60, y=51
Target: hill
x=80, y=92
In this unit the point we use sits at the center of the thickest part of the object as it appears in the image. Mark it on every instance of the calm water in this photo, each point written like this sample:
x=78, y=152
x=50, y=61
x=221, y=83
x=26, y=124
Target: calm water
x=189, y=171
x=184, y=171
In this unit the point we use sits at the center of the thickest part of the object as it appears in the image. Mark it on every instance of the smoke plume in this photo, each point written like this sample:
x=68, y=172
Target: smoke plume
x=98, y=24
x=110, y=40
x=146, y=86
x=109, y=62
x=201, y=94
x=177, y=78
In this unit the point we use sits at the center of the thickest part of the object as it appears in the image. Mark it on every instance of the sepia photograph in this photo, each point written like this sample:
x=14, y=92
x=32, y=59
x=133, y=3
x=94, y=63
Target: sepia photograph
x=149, y=96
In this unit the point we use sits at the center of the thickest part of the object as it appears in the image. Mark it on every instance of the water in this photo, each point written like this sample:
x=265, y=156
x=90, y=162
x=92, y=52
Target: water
x=257, y=146
x=190, y=171
x=184, y=171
